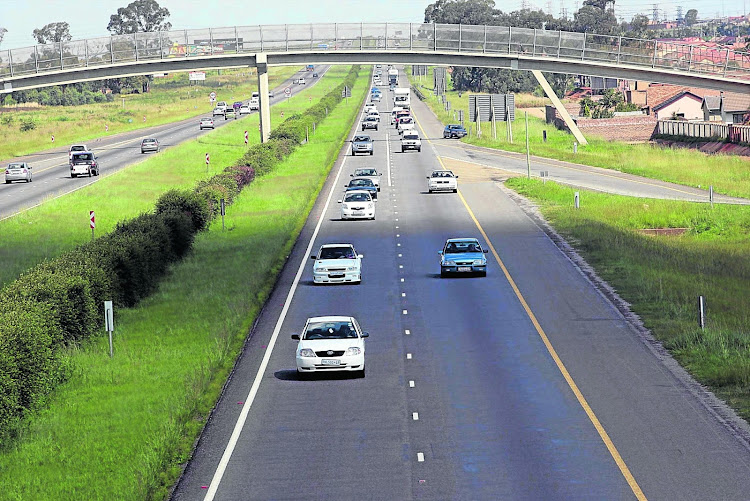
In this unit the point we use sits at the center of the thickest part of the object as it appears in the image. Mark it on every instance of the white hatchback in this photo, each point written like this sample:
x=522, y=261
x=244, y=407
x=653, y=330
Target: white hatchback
x=337, y=263
x=331, y=343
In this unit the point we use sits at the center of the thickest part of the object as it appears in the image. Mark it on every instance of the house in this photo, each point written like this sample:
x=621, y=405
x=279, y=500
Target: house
x=684, y=105
x=729, y=107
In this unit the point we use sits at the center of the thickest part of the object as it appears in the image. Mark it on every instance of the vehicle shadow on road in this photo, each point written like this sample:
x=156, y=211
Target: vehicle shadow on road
x=293, y=375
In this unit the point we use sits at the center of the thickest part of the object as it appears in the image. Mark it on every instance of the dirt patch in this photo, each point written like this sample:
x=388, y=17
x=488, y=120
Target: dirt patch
x=470, y=172
x=667, y=232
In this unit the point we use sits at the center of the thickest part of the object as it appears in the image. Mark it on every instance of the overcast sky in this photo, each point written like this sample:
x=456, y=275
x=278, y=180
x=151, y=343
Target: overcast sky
x=90, y=18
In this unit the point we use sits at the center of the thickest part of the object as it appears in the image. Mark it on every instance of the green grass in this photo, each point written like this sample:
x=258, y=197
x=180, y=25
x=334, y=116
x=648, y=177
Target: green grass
x=127, y=193
x=119, y=429
x=171, y=99
x=729, y=174
x=662, y=277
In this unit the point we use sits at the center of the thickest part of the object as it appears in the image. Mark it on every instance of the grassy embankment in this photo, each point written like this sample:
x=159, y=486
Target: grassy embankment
x=171, y=99
x=728, y=174
x=127, y=193
x=119, y=429
x=662, y=277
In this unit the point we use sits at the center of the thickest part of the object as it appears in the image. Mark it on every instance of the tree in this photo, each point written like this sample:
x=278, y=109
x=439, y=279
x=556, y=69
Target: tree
x=639, y=25
x=691, y=17
x=599, y=4
x=53, y=32
x=139, y=16
x=590, y=19
x=460, y=12
x=3, y=31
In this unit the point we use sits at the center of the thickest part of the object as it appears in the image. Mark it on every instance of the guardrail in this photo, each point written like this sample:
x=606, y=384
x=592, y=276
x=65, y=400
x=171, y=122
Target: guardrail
x=705, y=130
x=563, y=45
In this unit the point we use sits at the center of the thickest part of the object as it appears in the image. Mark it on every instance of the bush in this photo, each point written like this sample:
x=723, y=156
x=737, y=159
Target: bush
x=27, y=124
x=187, y=202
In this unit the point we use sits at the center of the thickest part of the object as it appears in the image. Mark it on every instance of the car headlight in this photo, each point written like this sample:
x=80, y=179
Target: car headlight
x=320, y=268
x=370, y=205
x=449, y=263
x=345, y=206
x=306, y=352
x=479, y=262
x=351, y=268
x=354, y=350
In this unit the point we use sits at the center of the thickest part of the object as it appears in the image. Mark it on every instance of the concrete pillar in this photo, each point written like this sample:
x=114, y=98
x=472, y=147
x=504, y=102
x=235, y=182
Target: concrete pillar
x=560, y=108
x=264, y=101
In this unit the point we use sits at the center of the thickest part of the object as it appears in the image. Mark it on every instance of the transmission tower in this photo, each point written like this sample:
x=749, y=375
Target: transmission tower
x=679, y=14
x=655, y=13
x=549, y=7
x=524, y=4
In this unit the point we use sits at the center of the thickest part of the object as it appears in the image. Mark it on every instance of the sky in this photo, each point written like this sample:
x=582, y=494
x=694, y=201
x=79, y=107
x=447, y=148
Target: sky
x=90, y=18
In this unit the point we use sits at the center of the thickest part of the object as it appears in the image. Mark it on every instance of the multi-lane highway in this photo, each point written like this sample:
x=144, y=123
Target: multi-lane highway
x=525, y=384
x=52, y=175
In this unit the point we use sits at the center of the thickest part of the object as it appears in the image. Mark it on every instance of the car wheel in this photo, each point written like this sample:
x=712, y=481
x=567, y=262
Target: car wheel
x=73, y=175
x=443, y=273
x=361, y=374
x=402, y=150
x=371, y=153
x=376, y=127
x=483, y=274
x=353, y=154
x=7, y=182
x=455, y=191
x=419, y=150
x=28, y=180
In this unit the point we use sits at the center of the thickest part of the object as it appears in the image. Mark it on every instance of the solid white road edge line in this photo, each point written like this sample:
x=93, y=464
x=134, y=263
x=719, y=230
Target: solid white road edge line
x=221, y=468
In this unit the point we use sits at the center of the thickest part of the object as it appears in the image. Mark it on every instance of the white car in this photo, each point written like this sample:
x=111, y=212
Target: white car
x=331, y=343
x=337, y=263
x=374, y=114
x=18, y=171
x=375, y=97
x=222, y=105
x=394, y=112
x=302, y=81
x=442, y=180
x=219, y=111
x=244, y=109
x=357, y=204
x=76, y=147
x=371, y=174
x=207, y=123
x=411, y=141
x=370, y=108
x=406, y=123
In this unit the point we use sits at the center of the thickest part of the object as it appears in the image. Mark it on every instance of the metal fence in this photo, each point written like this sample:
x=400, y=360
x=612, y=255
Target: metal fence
x=375, y=36
x=705, y=130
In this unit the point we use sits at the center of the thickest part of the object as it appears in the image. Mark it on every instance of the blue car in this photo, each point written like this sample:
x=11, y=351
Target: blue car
x=463, y=256
x=363, y=184
x=454, y=130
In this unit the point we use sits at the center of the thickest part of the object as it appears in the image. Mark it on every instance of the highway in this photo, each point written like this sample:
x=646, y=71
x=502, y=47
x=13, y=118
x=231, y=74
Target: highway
x=525, y=384
x=51, y=175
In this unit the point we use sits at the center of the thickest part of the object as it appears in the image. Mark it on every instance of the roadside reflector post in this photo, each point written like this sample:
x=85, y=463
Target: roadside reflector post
x=711, y=195
x=223, y=212
x=208, y=161
x=109, y=324
x=577, y=200
x=544, y=135
x=702, y=312
x=575, y=147
x=528, y=156
x=307, y=134
x=92, y=223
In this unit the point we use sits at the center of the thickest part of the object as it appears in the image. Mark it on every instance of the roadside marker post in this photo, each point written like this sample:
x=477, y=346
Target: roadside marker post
x=223, y=212
x=109, y=324
x=92, y=223
x=246, y=138
x=208, y=161
x=528, y=158
x=711, y=195
x=702, y=312
x=577, y=200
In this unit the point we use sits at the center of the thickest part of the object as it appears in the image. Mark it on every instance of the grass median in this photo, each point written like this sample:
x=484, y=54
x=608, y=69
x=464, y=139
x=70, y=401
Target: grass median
x=662, y=276
x=170, y=100
x=128, y=192
x=120, y=428
x=728, y=174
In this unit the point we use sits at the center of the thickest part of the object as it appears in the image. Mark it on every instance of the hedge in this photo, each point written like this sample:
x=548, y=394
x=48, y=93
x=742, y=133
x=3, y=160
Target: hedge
x=60, y=301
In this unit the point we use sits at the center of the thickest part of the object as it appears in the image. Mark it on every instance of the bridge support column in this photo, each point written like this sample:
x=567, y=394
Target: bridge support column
x=264, y=102
x=559, y=107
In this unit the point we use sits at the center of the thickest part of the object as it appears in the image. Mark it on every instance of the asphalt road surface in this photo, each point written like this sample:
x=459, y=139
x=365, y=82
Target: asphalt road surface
x=51, y=174
x=525, y=384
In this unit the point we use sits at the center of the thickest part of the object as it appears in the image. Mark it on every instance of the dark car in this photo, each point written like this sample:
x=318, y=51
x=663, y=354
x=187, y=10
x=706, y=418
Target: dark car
x=237, y=105
x=150, y=144
x=363, y=184
x=84, y=163
x=315, y=75
x=454, y=130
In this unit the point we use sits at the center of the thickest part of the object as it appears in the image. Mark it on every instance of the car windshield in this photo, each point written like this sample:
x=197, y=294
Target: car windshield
x=330, y=330
x=77, y=148
x=460, y=247
x=365, y=172
x=360, y=182
x=371, y=119
x=337, y=253
x=362, y=139
x=411, y=136
x=83, y=156
x=358, y=197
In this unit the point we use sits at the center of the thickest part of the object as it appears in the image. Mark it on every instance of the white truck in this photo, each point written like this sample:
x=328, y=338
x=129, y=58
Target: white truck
x=402, y=97
x=393, y=76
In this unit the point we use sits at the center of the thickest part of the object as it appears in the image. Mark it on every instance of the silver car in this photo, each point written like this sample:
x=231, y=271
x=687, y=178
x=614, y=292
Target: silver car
x=17, y=171
x=371, y=174
x=361, y=144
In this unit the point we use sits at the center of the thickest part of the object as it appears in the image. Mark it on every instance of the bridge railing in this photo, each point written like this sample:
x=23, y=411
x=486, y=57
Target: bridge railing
x=562, y=45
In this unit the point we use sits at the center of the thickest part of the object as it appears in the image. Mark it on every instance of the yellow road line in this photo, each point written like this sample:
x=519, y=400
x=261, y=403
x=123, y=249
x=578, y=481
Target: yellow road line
x=563, y=370
x=579, y=396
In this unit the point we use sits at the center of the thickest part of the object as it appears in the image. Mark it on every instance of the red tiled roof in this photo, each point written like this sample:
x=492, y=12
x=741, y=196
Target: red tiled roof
x=658, y=94
x=734, y=101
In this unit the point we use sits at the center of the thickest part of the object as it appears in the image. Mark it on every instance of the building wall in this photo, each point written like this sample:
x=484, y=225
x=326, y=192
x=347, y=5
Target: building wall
x=688, y=105
x=628, y=129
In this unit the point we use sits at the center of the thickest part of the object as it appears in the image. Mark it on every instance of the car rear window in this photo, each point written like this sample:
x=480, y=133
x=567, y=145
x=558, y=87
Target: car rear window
x=83, y=156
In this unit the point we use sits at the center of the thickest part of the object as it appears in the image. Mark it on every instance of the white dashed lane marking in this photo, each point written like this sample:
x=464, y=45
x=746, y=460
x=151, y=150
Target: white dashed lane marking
x=408, y=356
x=420, y=457
x=407, y=332
x=415, y=416
x=411, y=384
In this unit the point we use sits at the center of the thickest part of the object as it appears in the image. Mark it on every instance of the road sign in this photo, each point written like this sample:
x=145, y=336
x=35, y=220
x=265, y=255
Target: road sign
x=92, y=219
x=53, y=138
x=106, y=128
x=208, y=159
x=287, y=92
x=347, y=92
x=212, y=96
x=246, y=139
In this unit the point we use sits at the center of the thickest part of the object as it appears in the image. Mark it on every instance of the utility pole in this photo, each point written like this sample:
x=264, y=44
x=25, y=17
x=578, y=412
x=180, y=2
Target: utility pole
x=655, y=13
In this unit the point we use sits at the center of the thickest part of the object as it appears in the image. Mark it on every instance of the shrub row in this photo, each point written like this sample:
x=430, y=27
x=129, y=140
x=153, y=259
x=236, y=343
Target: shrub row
x=60, y=301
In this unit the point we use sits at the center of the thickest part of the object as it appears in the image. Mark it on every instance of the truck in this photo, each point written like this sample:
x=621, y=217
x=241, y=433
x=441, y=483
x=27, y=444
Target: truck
x=393, y=76
x=310, y=67
x=402, y=97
